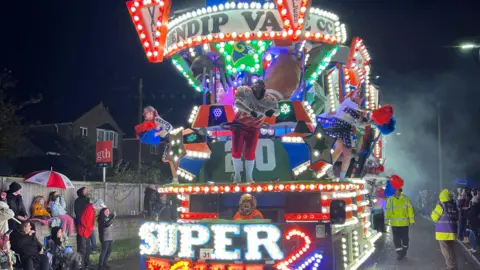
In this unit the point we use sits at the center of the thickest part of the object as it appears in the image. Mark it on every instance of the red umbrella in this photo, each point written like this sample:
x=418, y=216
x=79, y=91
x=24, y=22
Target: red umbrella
x=51, y=179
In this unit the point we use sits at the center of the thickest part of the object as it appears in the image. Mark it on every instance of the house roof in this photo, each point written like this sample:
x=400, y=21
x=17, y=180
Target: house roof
x=68, y=119
x=45, y=141
x=107, y=126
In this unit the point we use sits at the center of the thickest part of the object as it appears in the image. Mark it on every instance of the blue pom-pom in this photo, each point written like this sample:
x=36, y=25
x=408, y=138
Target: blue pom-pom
x=389, y=127
x=150, y=138
x=389, y=190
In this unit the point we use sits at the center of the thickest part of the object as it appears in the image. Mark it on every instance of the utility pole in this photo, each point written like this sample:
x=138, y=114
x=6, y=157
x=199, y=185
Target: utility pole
x=439, y=131
x=140, y=119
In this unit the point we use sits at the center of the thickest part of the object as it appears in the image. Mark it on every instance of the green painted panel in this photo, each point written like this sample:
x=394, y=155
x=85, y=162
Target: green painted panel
x=271, y=162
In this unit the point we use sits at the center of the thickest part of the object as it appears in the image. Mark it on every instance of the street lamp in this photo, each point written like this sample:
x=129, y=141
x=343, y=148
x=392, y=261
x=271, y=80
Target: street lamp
x=467, y=47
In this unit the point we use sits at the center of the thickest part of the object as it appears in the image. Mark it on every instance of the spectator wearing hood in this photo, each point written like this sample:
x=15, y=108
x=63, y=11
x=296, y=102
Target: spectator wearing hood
x=85, y=226
x=15, y=202
x=81, y=203
x=445, y=215
x=63, y=256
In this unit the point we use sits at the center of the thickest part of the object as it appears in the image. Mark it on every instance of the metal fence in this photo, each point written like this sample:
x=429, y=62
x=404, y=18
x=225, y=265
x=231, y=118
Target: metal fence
x=124, y=198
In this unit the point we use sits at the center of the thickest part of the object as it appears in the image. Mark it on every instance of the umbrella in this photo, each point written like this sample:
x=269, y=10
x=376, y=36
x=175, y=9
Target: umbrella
x=51, y=179
x=467, y=182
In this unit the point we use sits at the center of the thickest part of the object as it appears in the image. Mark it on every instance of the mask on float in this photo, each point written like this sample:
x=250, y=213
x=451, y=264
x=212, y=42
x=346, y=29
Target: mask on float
x=258, y=89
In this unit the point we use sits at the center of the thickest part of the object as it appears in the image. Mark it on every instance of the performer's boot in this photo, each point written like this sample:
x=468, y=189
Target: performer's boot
x=175, y=180
x=237, y=167
x=343, y=175
x=249, y=164
x=330, y=174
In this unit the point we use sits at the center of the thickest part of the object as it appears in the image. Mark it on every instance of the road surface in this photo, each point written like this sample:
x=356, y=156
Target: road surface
x=424, y=253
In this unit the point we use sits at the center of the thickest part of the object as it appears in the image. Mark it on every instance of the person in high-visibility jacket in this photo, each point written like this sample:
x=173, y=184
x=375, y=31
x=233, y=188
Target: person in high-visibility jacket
x=399, y=214
x=445, y=216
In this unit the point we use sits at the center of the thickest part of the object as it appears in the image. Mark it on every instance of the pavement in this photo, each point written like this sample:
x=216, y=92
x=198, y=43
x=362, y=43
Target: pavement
x=423, y=254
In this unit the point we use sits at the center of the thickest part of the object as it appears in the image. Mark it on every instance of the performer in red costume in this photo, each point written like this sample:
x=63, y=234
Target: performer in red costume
x=253, y=104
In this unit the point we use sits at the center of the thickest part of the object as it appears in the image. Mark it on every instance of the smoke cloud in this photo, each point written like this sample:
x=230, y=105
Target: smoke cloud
x=412, y=151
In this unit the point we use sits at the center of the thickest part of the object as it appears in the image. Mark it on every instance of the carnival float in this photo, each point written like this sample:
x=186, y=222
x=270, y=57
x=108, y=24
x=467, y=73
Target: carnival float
x=289, y=126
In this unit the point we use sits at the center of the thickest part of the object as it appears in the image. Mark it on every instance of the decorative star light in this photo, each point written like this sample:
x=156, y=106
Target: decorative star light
x=176, y=149
x=285, y=108
x=320, y=145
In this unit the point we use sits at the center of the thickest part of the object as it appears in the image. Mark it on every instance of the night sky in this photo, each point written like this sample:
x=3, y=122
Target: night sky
x=79, y=53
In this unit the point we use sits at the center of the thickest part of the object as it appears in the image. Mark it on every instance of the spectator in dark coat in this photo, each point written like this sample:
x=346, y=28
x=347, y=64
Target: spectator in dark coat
x=105, y=227
x=63, y=257
x=149, y=200
x=30, y=249
x=462, y=205
x=15, y=202
x=163, y=210
x=80, y=203
x=473, y=221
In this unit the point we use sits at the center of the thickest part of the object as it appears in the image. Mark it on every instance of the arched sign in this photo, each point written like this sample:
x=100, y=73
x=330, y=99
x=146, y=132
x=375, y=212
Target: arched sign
x=236, y=23
x=290, y=20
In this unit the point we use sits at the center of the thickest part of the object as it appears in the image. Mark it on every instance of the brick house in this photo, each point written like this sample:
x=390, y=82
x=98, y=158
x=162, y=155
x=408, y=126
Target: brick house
x=97, y=124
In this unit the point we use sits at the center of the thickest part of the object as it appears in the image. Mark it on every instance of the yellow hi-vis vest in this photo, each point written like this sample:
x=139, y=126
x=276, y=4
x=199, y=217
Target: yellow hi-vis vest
x=399, y=211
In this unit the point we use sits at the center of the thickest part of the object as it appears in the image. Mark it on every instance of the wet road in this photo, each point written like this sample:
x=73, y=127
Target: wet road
x=423, y=254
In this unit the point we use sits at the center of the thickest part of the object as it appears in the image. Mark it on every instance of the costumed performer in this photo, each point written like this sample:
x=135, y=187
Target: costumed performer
x=347, y=118
x=253, y=104
x=152, y=131
x=153, y=128
x=248, y=208
x=256, y=103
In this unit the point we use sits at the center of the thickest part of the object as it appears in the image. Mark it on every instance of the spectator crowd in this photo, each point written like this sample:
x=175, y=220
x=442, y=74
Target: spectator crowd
x=20, y=247
x=468, y=205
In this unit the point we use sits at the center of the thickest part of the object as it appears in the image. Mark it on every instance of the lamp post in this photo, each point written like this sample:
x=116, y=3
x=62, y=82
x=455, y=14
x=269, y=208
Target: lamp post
x=439, y=134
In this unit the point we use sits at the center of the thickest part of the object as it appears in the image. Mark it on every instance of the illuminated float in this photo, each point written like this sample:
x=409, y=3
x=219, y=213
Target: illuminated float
x=310, y=221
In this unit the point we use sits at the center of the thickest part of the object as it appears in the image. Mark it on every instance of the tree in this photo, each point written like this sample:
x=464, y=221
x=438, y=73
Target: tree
x=12, y=128
x=149, y=173
x=78, y=156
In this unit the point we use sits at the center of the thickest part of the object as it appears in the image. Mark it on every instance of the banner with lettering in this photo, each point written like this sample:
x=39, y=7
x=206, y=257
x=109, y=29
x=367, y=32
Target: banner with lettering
x=241, y=21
